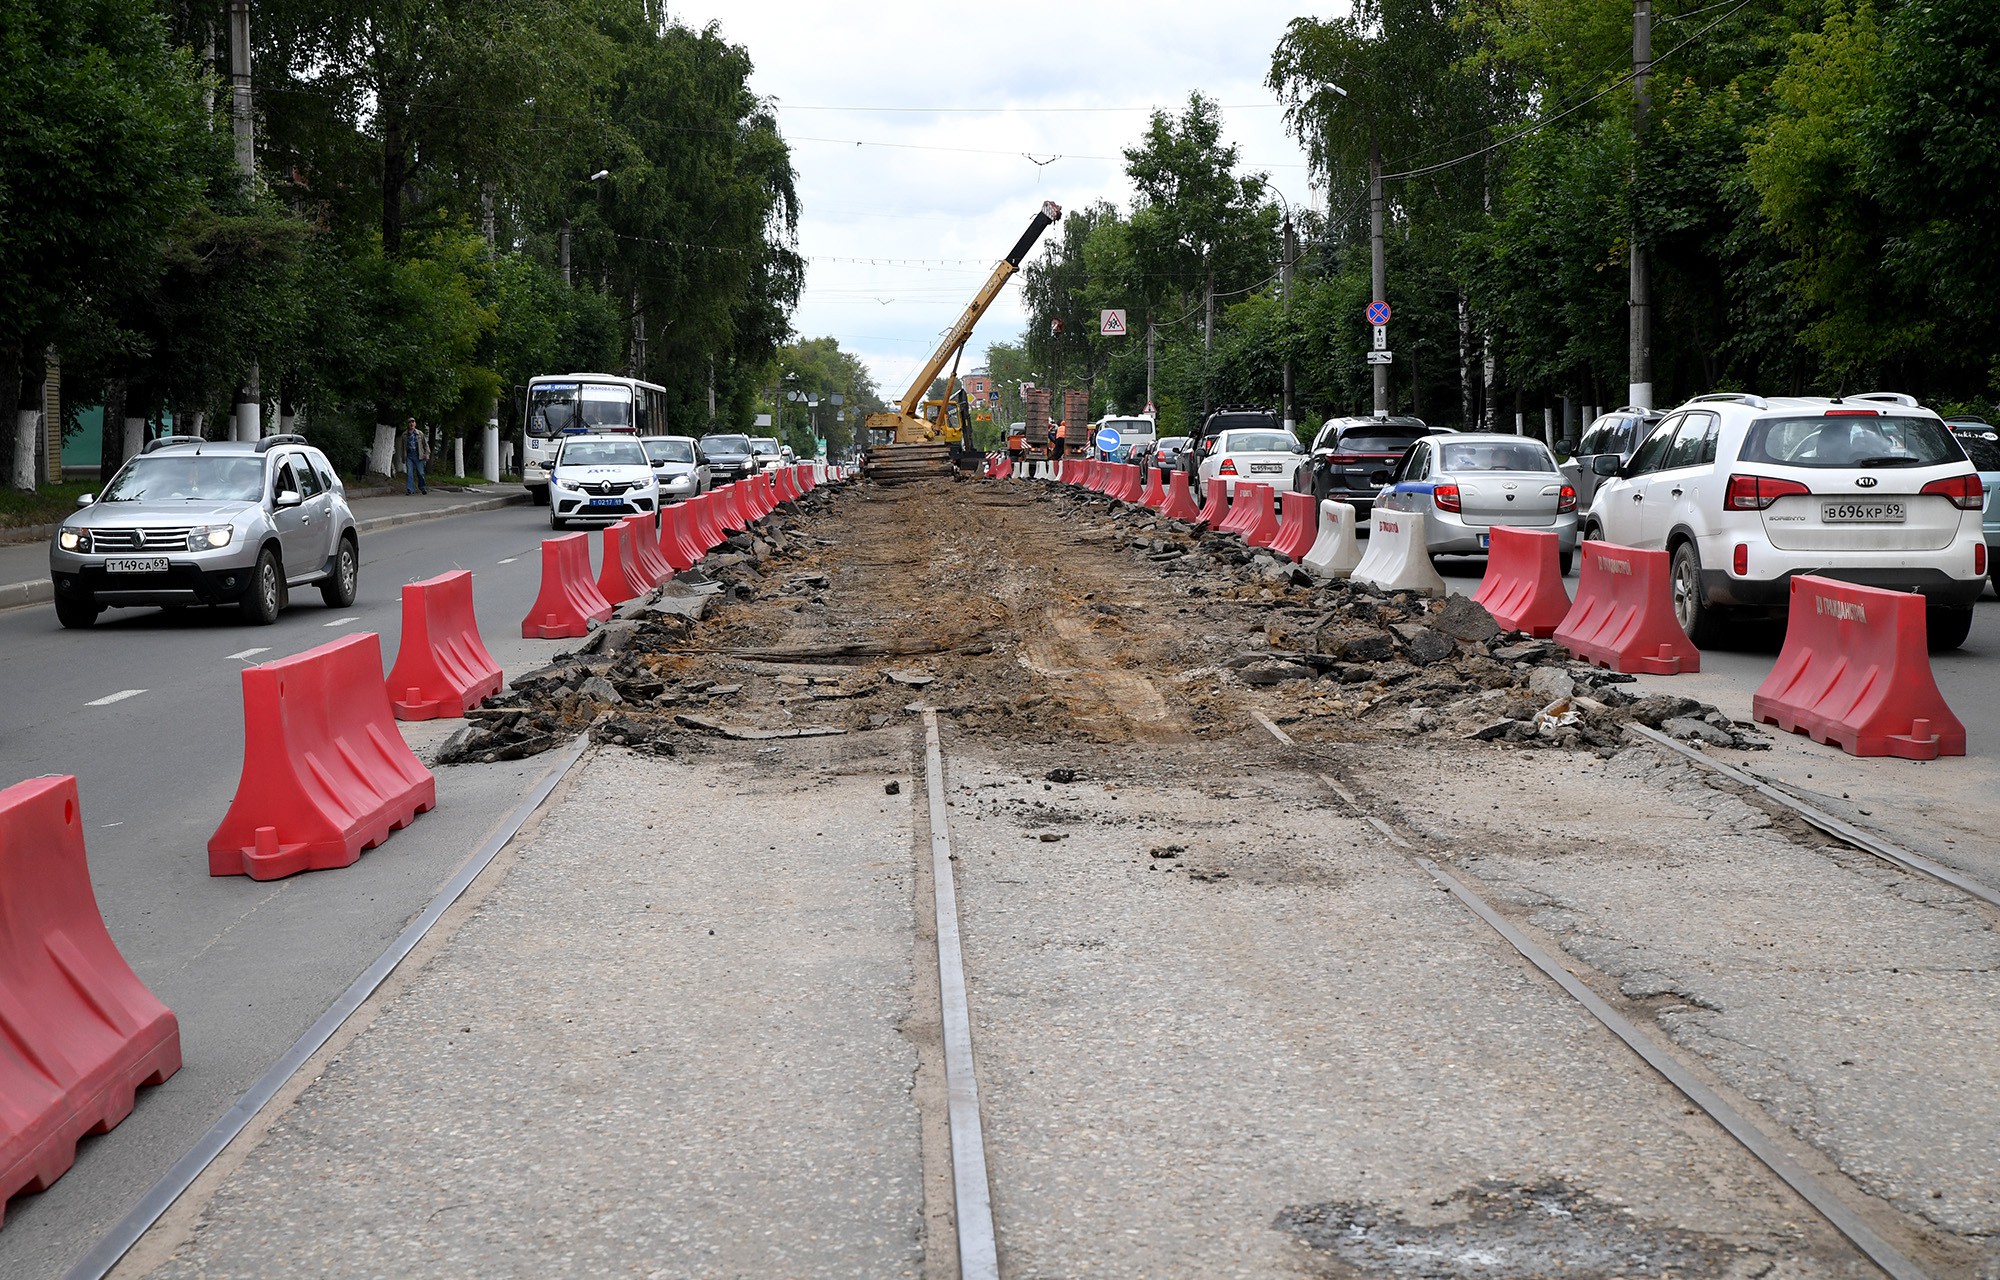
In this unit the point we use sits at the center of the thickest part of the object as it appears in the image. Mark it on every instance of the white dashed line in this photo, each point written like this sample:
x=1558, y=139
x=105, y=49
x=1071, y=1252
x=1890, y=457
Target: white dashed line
x=510, y=560
x=341, y=622
x=251, y=653
x=119, y=696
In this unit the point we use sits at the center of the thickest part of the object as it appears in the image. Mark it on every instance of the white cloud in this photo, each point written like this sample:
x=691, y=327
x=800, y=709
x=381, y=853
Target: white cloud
x=902, y=230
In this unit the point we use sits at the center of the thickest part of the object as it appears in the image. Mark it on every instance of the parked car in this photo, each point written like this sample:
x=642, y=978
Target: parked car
x=1618, y=434
x=192, y=521
x=1227, y=418
x=1745, y=492
x=729, y=458
x=678, y=465
x=767, y=453
x=1981, y=442
x=1167, y=452
x=1257, y=454
x=601, y=480
x=1352, y=458
x=1466, y=483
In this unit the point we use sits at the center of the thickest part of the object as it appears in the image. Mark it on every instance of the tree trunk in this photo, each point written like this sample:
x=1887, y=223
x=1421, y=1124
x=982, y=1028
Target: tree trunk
x=1492, y=370
x=395, y=176
x=111, y=436
x=1466, y=403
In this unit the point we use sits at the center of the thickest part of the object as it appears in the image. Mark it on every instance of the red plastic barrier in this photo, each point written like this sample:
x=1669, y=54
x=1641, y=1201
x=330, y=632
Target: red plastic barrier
x=326, y=773
x=1135, y=483
x=1299, y=528
x=1155, y=494
x=788, y=484
x=1523, y=588
x=1856, y=671
x=676, y=548
x=767, y=494
x=569, y=601
x=79, y=1033
x=729, y=508
x=442, y=667
x=1242, y=515
x=642, y=548
x=620, y=579
x=1180, y=503
x=1216, y=509
x=701, y=522
x=1623, y=617
x=1263, y=530
x=1116, y=478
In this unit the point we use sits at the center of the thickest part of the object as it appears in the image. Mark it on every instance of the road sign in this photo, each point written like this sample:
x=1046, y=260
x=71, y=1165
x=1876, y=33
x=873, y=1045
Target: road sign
x=1112, y=324
x=1149, y=410
x=1378, y=313
x=1381, y=357
x=1381, y=337
x=1107, y=439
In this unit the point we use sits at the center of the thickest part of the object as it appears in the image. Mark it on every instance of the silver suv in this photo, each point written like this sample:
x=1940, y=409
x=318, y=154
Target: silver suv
x=193, y=521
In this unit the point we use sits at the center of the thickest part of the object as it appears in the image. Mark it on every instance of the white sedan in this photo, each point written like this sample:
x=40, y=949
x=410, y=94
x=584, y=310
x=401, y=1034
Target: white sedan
x=601, y=480
x=1260, y=456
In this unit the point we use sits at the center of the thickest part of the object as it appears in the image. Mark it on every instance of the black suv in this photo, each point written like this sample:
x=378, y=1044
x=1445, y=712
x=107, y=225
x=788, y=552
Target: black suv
x=1230, y=417
x=1352, y=458
x=729, y=458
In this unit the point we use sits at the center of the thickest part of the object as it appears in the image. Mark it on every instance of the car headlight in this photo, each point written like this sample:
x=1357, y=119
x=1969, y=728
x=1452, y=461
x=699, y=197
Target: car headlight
x=204, y=537
x=73, y=539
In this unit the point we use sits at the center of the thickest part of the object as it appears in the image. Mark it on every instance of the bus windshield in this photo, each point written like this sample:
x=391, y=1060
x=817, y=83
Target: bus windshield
x=557, y=407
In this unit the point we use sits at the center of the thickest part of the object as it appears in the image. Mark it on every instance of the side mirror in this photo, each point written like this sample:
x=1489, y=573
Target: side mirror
x=288, y=498
x=85, y=499
x=1605, y=464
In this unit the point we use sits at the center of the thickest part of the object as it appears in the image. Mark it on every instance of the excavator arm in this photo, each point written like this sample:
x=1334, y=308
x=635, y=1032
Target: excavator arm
x=909, y=423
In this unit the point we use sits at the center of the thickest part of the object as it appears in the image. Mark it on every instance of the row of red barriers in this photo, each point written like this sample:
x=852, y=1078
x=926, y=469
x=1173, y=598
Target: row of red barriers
x=326, y=775
x=1854, y=670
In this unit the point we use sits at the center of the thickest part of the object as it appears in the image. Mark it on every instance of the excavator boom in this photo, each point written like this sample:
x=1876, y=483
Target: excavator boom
x=959, y=333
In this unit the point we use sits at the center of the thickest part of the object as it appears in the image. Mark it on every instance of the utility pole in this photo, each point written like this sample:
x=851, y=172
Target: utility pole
x=1640, y=392
x=1377, y=272
x=249, y=398
x=562, y=249
x=1285, y=296
x=1151, y=330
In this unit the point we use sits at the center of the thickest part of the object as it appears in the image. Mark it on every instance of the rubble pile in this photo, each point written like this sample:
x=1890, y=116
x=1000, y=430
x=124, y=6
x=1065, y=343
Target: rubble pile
x=1399, y=660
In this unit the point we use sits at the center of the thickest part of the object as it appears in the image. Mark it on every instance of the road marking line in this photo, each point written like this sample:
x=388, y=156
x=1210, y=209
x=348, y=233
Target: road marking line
x=119, y=696
x=251, y=653
x=341, y=622
x=510, y=560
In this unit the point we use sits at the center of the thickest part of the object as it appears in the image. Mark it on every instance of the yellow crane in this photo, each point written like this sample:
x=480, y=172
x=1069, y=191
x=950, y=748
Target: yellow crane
x=922, y=428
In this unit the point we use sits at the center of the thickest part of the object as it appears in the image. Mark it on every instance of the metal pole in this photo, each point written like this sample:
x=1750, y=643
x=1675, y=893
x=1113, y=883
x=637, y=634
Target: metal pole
x=1640, y=392
x=1150, y=331
x=1285, y=293
x=1377, y=272
x=249, y=399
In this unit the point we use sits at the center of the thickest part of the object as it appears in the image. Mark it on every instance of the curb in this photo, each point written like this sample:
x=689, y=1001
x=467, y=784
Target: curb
x=15, y=595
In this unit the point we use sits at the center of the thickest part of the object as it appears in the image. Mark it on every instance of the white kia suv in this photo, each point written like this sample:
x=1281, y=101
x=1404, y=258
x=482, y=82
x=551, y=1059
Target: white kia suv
x=1745, y=492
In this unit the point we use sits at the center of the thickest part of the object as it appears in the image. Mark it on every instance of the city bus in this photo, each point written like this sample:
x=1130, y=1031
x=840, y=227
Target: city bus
x=560, y=404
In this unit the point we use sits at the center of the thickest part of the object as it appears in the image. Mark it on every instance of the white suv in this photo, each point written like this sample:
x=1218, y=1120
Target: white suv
x=1746, y=492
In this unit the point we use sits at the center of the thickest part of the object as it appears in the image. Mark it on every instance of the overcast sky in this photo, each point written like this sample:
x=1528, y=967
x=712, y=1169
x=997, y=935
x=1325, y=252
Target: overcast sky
x=947, y=100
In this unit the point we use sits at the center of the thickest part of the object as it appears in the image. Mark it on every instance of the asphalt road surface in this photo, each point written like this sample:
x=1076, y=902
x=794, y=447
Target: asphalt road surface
x=146, y=710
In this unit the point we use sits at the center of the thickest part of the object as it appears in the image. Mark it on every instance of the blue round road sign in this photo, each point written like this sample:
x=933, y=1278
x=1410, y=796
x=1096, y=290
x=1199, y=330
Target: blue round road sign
x=1107, y=439
x=1378, y=313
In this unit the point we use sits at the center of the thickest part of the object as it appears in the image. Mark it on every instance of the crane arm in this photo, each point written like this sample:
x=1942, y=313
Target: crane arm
x=956, y=338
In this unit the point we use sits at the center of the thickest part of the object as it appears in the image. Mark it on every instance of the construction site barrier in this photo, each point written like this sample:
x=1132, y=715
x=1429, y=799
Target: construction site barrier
x=569, y=601
x=1623, y=616
x=1399, y=554
x=442, y=667
x=1298, y=528
x=677, y=539
x=642, y=547
x=1523, y=587
x=79, y=1033
x=1155, y=493
x=1337, y=550
x=1263, y=530
x=788, y=484
x=722, y=510
x=1215, y=510
x=705, y=522
x=1242, y=508
x=1180, y=503
x=620, y=579
x=1130, y=483
x=326, y=773
x=1855, y=671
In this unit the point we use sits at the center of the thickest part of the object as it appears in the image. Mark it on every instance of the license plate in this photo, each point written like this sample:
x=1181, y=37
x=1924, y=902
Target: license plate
x=136, y=564
x=607, y=502
x=1485, y=541
x=1861, y=513
x=1263, y=467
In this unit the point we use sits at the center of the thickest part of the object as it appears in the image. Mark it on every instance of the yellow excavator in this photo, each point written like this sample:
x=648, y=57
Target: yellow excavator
x=924, y=430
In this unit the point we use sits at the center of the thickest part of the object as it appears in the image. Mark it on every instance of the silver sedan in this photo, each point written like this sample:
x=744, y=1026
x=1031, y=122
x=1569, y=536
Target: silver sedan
x=1465, y=484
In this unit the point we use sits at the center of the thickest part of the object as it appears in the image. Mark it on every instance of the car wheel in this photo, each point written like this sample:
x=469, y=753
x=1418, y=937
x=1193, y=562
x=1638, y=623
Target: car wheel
x=541, y=496
x=1946, y=629
x=340, y=586
x=1566, y=562
x=557, y=524
x=1591, y=533
x=76, y=612
x=267, y=591
x=1702, y=622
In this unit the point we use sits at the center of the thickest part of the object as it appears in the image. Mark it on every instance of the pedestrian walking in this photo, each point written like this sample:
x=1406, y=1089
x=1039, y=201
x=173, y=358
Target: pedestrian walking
x=416, y=458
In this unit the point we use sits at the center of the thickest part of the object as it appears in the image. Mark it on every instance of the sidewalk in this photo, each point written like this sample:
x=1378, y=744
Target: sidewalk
x=663, y=1041
x=24, y=566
